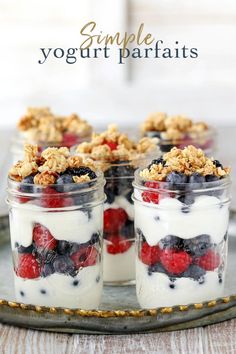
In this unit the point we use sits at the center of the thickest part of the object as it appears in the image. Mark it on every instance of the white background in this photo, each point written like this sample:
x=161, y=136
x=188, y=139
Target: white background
x=102, y=90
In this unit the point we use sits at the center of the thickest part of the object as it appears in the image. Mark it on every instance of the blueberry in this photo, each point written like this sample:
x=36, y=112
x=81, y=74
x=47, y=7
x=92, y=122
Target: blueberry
x=81, y=171
x=74, y=247
x=94, y=239
x=171, y=241
x=64, y=265
x=27, y=184
x=197, y=246
x=64, y=183
x=120, y=169
x=156, y=268
x=157, y=161
x=45, y=256
x=64, y=247
x=220, y=278
x=194, y=272
x=75, y=282
x=127, y=229
x=153, y=134
x=197, y=178
x=47, y=270
x=211, y=178
x=165, y=147
x=22, y=249
x=218, y=164
x=187, y=198
x=176, y=178
x=185, y=209
x=109, y=194
x=128, y=196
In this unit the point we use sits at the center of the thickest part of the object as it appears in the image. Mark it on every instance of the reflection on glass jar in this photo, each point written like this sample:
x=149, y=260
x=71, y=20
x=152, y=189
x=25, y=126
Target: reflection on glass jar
x=56, y=239
x=181, y=248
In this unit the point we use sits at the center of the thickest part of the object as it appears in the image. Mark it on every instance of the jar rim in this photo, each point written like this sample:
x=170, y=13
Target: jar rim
x=18, y=140
x=211, y=132
x=184, y=187
x=13, y=187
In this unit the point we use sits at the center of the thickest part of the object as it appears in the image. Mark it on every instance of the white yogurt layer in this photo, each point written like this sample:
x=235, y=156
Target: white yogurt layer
x=70, y=225
x=121, y=202
x=205, y=217
x=154, y=290
x=57, y=290
x=120, y=266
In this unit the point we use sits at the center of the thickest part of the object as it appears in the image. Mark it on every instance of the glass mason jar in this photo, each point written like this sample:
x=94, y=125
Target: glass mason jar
x=56, y=239
x=119, y=235
x=69, y=140
x=181, y=241
x=205, y=140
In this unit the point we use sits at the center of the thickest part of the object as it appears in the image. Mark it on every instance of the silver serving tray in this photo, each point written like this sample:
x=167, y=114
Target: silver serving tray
x=119, y=311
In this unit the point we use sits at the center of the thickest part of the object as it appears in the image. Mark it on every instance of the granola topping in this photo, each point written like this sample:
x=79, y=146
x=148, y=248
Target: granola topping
x=41, y=125
x=189, y=160
x=112, y=145
x=47, y=166
x=173, y=127
x=45, y=178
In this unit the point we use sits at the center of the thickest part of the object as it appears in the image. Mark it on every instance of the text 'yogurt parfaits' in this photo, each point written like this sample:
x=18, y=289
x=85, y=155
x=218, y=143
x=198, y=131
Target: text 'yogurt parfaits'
x=118, y=157
x=181, y=220
x=56, y=221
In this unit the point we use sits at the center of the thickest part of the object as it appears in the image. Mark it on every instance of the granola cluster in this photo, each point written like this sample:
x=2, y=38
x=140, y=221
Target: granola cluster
x=112, y=145
x=188, y=161
x=47, y=166
x=173, y=127
x=41, y=125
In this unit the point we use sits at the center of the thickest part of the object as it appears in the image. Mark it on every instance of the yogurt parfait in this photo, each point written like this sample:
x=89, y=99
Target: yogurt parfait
x=42, y=127
x=179, y=131
x=56, y=224
x=118, y=157
x=181, y=203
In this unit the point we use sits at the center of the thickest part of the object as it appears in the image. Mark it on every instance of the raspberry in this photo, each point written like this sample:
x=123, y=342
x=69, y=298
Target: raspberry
x=22, y=200
x=28, y=267
x=69, y=139
x=149, y=255
x=43, y=238
x=111, y=144
x=209, y=261
x=53, y=199
x=174, y=261
x=114, y=219
x=117, y=244
x=149, y=196
x=85, y=257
